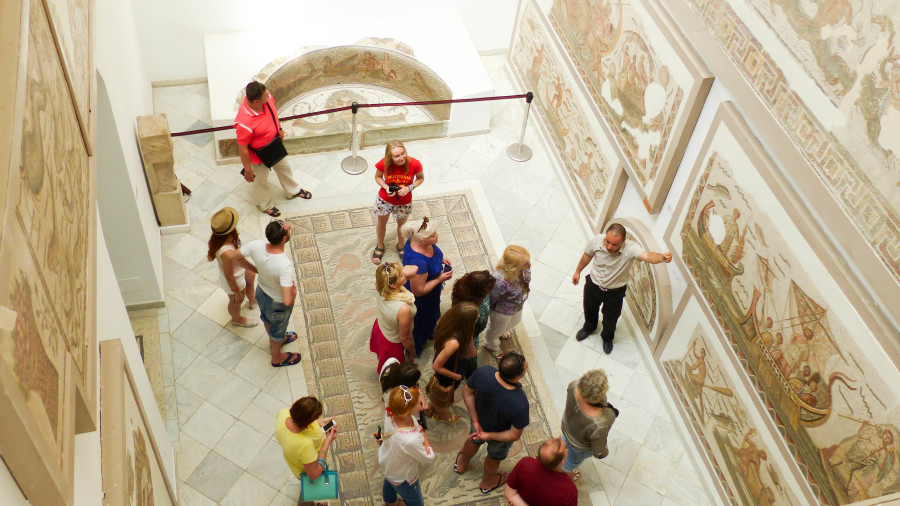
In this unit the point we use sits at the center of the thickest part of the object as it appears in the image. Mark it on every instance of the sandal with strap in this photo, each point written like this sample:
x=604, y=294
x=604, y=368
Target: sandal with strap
x=377, y=255
x=494, y=353
x=303, y=194
x=273, y=212
x=453, y=418
x=456, y=463
x=501, y=480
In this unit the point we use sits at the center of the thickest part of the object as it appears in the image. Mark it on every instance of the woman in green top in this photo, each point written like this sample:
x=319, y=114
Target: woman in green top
x=303, y=442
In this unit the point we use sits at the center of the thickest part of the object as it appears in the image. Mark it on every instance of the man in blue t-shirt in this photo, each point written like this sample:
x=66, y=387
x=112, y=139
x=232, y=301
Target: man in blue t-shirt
x=499, y=412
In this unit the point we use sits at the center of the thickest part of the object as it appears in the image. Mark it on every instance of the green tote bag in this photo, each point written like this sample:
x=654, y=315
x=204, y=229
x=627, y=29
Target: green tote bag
x=323, y=487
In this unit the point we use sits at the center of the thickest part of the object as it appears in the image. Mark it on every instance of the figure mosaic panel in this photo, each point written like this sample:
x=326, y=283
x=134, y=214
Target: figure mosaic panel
x=843, y=110
x=72, y=22
x=733, y=436
x=53, y=205
x=815, y=363
x=135, y=474
x=591, y=166
x=646, y=82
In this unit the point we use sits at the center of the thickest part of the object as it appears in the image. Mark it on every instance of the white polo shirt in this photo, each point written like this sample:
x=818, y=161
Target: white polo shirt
x=611, y=270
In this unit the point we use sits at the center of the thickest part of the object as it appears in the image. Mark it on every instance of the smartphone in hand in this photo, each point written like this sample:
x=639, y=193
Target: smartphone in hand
x=448, y=267
x=327, y=427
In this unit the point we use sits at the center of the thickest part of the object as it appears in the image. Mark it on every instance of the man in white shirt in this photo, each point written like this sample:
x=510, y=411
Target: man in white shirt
x=275, y=289
x=610, y=257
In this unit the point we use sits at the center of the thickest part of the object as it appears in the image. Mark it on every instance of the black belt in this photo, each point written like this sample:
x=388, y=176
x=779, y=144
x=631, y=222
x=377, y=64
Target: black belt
x=617, y=289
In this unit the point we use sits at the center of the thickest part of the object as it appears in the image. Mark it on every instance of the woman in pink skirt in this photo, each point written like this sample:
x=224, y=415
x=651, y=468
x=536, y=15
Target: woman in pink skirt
x=392, y=331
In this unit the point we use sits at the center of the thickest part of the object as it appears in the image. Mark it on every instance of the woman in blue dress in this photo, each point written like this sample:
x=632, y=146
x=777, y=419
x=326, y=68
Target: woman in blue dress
x=422, y=252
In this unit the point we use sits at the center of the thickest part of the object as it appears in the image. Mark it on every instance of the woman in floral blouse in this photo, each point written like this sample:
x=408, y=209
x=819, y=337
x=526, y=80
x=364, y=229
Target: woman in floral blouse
x=513, y=274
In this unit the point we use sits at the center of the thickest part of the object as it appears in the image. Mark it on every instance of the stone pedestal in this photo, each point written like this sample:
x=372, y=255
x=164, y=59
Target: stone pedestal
x=155, y=143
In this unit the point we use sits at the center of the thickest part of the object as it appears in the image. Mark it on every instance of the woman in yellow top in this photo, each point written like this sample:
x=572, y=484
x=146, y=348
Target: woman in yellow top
x=299, y=432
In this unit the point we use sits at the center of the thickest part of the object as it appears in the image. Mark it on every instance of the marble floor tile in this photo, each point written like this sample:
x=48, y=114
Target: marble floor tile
x=618, y=374
x=241, y=444
x=685, y=489
x=188, y=251
x=610, y=480
x=633, y=493
x=189, y=454
x=196, y=332
x=171, y=403
x=226, y=349
x=261, y=413
x=633, y=421
x=209, y=270
x=165, y=344
x=664, y=439
x=233, y=395
x=279, y=387
x=282, y=500
x=554, y=340
x=256, y=367
x=622, y=451
x=178, y=312
x=202, y=377
x=190, y=497
x=562, y=317
x=208, y=424
x=187, y=403
x=214, y=476
x=598, y=498
x=652, y=469
x=182, y=356
x=168, y=375
x=577, y=358
x=269, y=465
x=544, y=278
x=192, y=290
x=249, y=491
x=642, y=392
x=537, y=302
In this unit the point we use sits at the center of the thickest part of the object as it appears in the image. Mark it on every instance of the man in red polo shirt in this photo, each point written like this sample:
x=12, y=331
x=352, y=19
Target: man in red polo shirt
x=542, y=482
x=257, y=124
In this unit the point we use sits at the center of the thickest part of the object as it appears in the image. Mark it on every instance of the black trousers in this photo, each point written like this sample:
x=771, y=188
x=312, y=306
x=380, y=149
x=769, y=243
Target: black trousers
x=611, y=303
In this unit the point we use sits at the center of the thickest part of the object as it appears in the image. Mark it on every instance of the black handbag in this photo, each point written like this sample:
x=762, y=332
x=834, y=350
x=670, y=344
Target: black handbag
x=274, y=151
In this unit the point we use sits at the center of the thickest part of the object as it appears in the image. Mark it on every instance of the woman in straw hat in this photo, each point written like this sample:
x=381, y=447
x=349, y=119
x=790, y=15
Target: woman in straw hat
x=236, y=275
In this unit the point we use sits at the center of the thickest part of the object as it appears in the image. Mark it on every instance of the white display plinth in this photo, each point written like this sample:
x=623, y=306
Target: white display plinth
x=437, y=36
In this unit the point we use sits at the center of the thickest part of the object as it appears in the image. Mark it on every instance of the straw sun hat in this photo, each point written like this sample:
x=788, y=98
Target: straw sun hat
x=224, y=221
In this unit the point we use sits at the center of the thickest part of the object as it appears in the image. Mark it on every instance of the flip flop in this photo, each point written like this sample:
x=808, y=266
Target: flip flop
x=377, y=254
x=453, y=418
x=400, y=251
x=251, y=322
x=252, y=306
x=576, y=477
x=303, y=194
x=289, y=337
x=292, y=359
x=456, y=461
x=494, y=353
x=500, y=482
x=505, y=336
x=273, y=212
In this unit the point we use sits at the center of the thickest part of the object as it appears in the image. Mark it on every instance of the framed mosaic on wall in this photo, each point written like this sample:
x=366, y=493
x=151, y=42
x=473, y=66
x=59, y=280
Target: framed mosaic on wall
x=731, y=437
x=819, y=83
x=644, y=80
x=649, y=289
x=48, y=387
x=133, y=470
x=594, y=172
x=739, y=233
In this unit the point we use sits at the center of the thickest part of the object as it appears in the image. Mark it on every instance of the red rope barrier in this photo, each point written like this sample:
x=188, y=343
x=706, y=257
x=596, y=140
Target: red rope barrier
x=338, y=109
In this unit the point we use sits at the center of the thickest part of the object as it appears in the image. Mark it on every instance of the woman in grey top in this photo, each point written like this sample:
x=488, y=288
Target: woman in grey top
x=587, y=419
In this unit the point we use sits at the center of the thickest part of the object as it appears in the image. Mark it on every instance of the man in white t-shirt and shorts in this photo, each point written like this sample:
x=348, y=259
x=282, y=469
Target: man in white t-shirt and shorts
x=610, y=257
x=275, y=290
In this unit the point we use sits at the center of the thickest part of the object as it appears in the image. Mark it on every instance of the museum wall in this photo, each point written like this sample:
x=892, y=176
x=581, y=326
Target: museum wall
x=761, y=159
x=124, y=93
x=180, y=54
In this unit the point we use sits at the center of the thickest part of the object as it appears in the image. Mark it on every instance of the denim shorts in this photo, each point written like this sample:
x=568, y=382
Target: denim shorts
x=410, y=493
x=574, y=457
x=497, y=450
x=274, y=314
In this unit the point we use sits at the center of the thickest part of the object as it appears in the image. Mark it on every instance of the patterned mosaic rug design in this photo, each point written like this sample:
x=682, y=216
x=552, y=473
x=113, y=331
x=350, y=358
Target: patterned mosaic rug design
x=336, y=285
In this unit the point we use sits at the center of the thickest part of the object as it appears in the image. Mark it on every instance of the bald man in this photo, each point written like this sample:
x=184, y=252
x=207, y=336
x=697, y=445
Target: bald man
x=541, y=481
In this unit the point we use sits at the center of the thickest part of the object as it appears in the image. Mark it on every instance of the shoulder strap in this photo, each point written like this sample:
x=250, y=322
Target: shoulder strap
x=610, y=406
x=274, y=120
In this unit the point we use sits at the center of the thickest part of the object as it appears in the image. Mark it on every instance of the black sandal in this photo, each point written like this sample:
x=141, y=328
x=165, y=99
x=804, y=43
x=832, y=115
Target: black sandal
x=377, y=254
x=303, y=194
x=273, y=212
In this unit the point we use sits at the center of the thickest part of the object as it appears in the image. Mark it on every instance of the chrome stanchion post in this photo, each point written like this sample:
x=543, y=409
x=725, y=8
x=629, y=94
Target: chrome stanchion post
x=354, y=164
x=519, y=152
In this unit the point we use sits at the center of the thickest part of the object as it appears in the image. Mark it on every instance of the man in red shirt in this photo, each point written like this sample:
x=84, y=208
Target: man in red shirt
x=257, y=125
x=542, y=482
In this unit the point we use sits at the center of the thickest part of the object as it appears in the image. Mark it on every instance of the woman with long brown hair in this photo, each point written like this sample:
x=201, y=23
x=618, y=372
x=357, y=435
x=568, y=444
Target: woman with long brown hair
x=475, y=287
x=452, y=344
x=398, y=175
x=236, y=275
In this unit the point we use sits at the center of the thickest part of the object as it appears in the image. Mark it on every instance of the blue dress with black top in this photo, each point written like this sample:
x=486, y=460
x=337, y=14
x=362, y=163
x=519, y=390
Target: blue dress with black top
x=428, y=306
